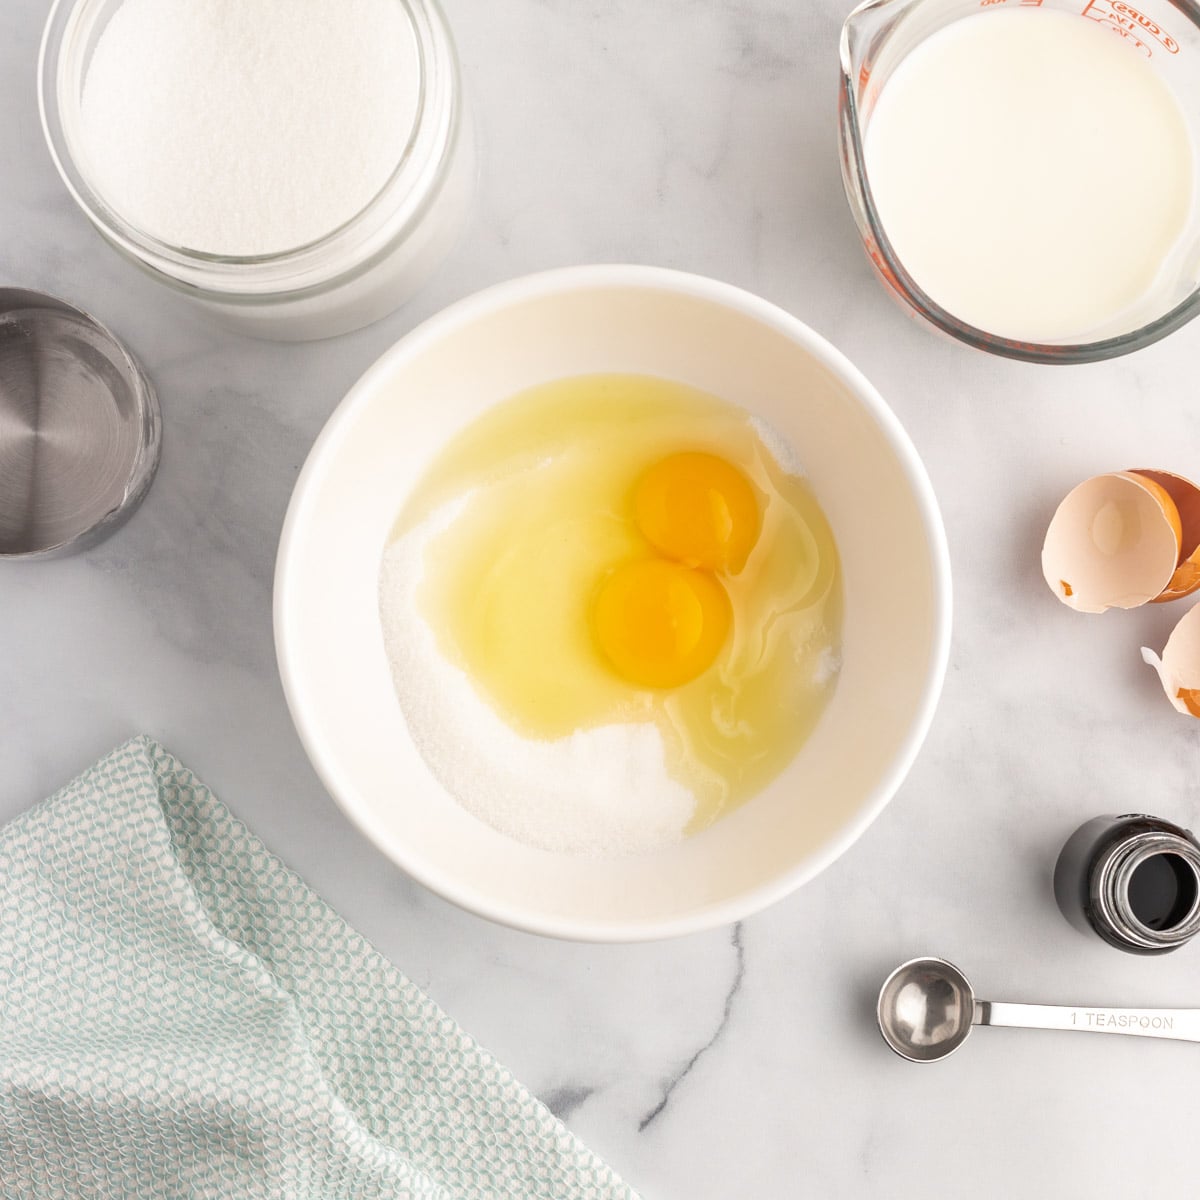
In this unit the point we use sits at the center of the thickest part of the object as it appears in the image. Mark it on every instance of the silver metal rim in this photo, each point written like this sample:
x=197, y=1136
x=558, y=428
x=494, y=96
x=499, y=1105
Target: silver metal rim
x=149, y=415
x=1111, y=890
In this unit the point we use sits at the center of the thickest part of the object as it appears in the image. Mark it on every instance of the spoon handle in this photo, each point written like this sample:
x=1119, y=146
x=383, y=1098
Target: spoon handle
x=1178, y=1024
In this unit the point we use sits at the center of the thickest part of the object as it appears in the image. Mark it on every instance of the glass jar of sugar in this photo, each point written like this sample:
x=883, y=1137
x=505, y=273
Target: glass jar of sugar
x=297, y=168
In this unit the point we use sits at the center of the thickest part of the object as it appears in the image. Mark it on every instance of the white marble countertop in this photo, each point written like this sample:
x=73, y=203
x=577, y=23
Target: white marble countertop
x=744, y=1063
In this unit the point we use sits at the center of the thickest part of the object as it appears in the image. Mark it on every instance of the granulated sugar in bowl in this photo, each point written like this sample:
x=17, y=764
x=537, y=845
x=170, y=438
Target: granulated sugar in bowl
x=855, y=459
x=621, y=799
x=295, y=166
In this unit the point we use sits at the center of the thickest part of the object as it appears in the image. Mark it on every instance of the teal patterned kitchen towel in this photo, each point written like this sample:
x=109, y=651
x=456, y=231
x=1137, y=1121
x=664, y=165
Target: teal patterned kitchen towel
x=180, y=1017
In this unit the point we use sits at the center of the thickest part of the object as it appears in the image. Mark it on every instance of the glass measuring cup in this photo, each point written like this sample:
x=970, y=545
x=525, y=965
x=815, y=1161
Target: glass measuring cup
x=880, y=34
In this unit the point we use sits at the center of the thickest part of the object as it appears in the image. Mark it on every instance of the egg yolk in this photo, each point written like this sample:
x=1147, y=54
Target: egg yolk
x=661, y=624
x=700, y=510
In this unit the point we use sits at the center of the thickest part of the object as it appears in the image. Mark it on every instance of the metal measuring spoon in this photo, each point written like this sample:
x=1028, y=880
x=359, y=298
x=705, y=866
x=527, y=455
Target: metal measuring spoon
x=927, y=1007
x=79, y=428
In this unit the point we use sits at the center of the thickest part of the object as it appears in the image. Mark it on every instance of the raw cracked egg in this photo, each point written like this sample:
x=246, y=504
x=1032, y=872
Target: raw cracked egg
x=626, y=552
x=1123, y=540
x=660, y=624
x=698, y=509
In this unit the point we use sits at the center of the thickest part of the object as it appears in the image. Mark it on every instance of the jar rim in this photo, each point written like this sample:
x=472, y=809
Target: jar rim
x=1111, y=879
x=388, y=218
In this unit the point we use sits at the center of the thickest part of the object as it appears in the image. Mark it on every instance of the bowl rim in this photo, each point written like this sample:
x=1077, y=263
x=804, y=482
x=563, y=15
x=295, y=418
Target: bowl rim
x=611, y=277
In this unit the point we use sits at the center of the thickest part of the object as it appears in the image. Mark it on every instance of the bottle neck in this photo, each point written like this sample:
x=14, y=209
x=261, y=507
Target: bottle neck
x=1109, y=889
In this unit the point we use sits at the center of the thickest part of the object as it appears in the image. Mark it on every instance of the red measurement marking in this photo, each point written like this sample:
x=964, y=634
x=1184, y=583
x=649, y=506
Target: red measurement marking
x=1133, y=39
x=881, y=265
x=1126, y=20
x=1153, y=28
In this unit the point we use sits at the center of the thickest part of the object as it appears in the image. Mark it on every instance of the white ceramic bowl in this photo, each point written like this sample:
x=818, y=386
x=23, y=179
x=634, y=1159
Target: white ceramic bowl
x=858, y=460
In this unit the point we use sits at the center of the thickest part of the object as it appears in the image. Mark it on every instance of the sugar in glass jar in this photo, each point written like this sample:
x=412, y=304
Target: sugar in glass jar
x=370, y=259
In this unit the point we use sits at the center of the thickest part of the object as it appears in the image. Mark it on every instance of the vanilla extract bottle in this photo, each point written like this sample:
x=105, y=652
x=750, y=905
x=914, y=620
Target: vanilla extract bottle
x=1133, y=880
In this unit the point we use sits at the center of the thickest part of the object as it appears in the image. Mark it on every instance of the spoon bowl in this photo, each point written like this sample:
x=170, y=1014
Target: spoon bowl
x=926, y=1009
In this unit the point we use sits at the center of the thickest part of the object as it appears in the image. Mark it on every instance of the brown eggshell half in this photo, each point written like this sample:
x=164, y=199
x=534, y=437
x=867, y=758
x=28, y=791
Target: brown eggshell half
x=1186, y=497
x=1113, y=543
x=1179, y=666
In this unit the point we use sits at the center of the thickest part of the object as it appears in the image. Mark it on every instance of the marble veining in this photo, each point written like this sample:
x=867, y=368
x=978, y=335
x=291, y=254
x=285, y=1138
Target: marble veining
x=740, y=1063
x=679, y=1076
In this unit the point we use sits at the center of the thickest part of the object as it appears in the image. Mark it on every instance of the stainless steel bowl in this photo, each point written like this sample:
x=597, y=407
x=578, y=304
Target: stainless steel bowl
x=80, y=428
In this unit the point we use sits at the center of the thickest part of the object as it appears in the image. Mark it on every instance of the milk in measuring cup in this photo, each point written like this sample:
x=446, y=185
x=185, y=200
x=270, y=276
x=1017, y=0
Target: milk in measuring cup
x=1032, y=172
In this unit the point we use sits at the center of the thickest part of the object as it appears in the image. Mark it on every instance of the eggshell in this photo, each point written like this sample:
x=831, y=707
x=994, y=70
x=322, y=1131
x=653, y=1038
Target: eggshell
x=1179, y=666
x=1186, y=497
x=1113, y=543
